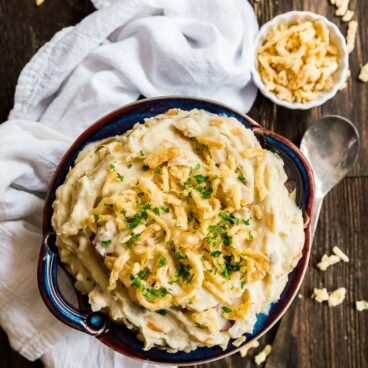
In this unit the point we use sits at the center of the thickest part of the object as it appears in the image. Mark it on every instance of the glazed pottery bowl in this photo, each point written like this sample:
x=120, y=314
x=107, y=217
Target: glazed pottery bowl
x=336, y=36
x=118, y=336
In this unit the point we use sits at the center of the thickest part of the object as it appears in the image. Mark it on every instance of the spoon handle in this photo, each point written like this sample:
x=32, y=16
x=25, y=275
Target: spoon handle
x=315, y=215
x=281, y=343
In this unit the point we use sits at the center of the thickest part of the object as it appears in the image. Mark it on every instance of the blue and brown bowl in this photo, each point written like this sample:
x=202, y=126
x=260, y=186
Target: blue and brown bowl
x=117, y=336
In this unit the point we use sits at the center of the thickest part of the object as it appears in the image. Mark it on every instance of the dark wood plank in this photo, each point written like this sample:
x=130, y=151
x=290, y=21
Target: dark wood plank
x=320, y=337
x=24, y=28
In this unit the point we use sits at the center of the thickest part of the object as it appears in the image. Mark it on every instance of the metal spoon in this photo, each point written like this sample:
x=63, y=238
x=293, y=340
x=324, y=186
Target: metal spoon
x=331, y=145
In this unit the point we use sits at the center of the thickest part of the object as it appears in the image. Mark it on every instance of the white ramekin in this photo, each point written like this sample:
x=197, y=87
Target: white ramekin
x=337, y=38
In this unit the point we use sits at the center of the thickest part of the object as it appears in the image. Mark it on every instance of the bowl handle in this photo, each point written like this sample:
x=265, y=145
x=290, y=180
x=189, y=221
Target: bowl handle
x=93, y=323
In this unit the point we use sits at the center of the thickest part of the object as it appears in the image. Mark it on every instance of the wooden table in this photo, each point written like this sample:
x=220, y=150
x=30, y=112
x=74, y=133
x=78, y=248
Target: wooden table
x=320, y=337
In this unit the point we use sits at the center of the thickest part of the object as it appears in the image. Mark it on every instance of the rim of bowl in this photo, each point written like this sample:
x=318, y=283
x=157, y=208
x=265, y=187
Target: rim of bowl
x=106, y=119
x=343, y=59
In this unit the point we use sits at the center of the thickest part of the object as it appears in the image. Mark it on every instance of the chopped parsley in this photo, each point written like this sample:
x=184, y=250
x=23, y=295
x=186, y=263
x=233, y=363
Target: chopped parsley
x=242, y=284
x=135, y=220
x=202, y=187
x=242, y=179
x=230, y=218
x=199, y=325
x=212, y=241
x=163, y=312
x=112, y=166
x=152, y=294
x=226, y=239
x=132, y=239
x=143, y=207
x=224, y=215
x=129, y=166
x=178, y=256
x=120, y=177
x=226, y=309
x=157, y=170
x=246, y=222
x=156, y=211
x=106, y=243
x=214, y=229
x=165, y=209
x=204, y=191
x=216, y=254
x=197, y=166
x=234, y=220
x=137, y=283
x=237, y=266
x=184, y=272
x=161, y=262
x=141, y=153
x=201, y=179
x=187, y=184
x=230, y=266
x=97, y=217
x=226, y=271
x=217, y=233
x=143, y=274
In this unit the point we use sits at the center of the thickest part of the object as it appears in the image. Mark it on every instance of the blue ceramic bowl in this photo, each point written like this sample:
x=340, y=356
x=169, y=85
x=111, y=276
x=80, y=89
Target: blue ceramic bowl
x=117, y=336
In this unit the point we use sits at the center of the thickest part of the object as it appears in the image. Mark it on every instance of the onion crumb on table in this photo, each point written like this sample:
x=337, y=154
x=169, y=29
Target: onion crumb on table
x=262, y=356
x=327, y=261
x=363, y=75
x=351, y=35
x=341, y=7
x=361, y=305
x=334, y=298
x=340, y=254
x=337, y=297
x=348, y=16
x=252, y=345
x=320, y=295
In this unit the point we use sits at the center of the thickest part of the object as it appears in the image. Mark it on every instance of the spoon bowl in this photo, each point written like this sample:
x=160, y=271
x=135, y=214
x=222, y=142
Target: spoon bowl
x=331, y=145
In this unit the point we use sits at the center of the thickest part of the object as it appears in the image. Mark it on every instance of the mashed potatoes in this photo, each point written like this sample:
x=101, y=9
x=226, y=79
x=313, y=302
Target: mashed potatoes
x=181, y=228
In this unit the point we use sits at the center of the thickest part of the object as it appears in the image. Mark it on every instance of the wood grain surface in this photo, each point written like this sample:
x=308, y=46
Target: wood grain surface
x=317, y=337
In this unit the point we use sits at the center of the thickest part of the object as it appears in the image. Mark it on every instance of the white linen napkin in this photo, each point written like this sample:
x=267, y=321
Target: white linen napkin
x=125, y=49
